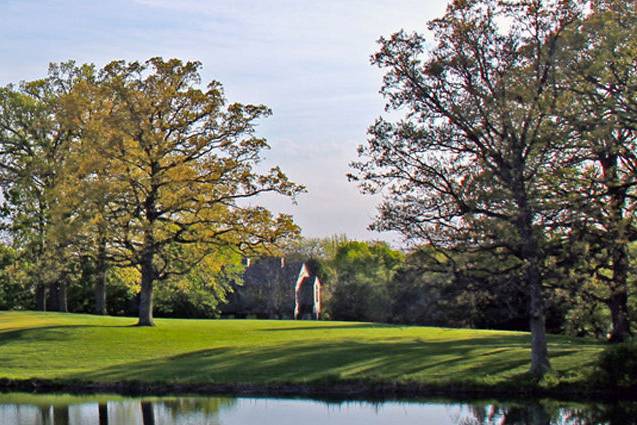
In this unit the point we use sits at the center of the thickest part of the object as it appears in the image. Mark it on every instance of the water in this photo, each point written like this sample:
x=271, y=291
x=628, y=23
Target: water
x=22, y=409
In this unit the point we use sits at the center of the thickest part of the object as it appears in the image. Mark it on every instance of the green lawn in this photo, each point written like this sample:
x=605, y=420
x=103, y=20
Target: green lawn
x=108, y=349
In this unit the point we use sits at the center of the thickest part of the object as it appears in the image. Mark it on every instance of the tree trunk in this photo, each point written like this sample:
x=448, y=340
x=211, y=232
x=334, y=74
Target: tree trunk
x=41, y=287
x=58, y=297
x=100, y=279
x=100, y=294
x=539, y=352
x=618, y=300
x=63, y=305
x=617, y=244
x=618, y=305
x=40, y=297
x=530, y=255
x=54, y=297
x=148, y=253
x=146, y=293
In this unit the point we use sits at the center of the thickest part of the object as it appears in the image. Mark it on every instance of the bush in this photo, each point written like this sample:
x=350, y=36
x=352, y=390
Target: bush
x=617, y=366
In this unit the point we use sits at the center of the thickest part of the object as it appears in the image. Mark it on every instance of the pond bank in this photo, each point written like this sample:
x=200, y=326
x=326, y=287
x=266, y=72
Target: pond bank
x=334, y=390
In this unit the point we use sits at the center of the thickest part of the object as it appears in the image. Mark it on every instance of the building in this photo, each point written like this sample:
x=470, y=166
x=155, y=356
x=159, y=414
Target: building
x=273, y=288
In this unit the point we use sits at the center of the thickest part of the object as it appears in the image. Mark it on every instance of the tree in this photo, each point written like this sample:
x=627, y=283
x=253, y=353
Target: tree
x=185, y=166
x=599, y=71
x=92, y=195
x=465, y=169
x=462, y=289
x=199, y=293
x=14, y=293
x=362, y=274
x=33, y=146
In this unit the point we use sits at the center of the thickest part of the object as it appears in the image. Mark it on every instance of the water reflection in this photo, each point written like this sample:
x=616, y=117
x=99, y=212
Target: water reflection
x=28, y=409
x=533, y=413
x=551, y=413
x=64, y=410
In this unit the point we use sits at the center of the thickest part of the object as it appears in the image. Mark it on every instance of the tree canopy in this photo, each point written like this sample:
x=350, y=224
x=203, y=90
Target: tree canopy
x=472, y=166
x=158, y=173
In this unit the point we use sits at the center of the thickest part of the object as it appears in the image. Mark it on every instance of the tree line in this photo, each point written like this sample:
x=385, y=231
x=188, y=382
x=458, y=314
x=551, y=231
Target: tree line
x=373, y=282
x=515, y=145
x=133, y=167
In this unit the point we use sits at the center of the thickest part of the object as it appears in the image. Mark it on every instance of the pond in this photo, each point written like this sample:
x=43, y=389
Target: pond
x=21, y=408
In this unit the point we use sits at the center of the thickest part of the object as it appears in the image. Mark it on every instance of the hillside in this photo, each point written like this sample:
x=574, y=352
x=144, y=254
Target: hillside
x=82, y=348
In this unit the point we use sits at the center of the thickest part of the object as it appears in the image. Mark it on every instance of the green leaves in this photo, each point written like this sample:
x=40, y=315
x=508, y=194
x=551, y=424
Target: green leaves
x=138, y=162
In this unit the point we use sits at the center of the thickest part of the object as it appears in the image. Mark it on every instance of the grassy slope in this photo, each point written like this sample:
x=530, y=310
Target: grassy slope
x=108, y=349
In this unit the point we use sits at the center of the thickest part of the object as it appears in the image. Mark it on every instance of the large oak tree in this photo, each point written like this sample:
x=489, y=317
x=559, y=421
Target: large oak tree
x=467, y=165
x=185, y=162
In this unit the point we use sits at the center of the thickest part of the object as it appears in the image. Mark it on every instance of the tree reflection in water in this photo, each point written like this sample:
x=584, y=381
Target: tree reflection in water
x=45, y=415
x=148, y=414
x=61, y=415
x=33, y=411
x=551, y=413
x=19, y=409
x=208, y=407
x=103, y=413
x=604, y=414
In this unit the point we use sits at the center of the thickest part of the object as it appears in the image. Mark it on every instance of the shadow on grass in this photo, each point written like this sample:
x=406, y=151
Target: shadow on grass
x=504, y=358
x=46, y=333
x=318, y=327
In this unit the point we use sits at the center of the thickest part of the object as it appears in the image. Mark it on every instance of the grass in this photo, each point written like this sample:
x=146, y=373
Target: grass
x=85, y=348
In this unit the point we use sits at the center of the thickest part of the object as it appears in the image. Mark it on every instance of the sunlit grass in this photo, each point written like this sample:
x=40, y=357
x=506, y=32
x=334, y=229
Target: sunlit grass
x=109, y=349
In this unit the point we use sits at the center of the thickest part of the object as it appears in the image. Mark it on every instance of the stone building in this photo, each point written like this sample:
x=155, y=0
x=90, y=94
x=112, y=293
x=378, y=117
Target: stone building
x=274, y=288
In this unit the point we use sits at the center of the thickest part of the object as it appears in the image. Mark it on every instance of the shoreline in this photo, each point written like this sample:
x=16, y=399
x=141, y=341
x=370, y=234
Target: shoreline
x=337, y=391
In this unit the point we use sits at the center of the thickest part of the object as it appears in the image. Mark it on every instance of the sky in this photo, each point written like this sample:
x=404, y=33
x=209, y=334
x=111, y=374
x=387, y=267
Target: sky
x=307, y=60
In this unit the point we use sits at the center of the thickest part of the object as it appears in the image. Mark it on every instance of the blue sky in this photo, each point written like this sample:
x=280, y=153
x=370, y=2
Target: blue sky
x=307, y=60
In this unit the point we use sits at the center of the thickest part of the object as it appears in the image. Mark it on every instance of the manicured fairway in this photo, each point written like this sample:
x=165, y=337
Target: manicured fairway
x=108, y=349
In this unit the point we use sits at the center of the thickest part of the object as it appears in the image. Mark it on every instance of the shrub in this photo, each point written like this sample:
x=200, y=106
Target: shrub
x=617, y=366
